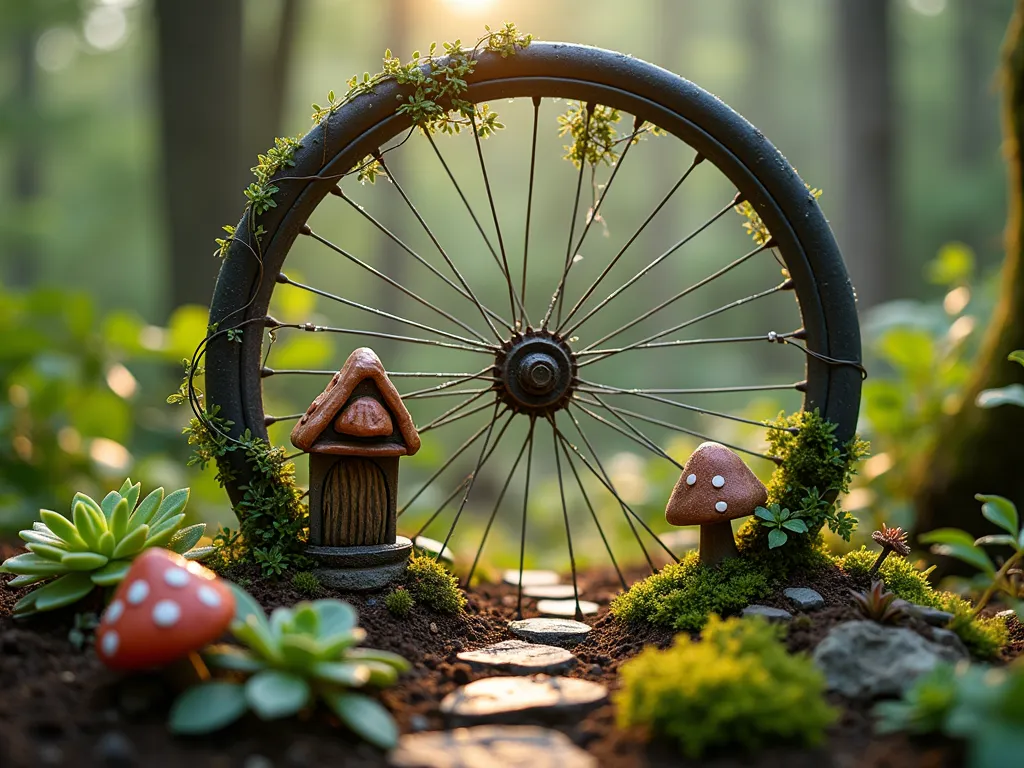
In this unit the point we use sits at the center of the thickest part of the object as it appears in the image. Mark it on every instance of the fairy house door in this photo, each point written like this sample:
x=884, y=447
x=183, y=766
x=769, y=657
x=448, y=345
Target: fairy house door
x=354, y=432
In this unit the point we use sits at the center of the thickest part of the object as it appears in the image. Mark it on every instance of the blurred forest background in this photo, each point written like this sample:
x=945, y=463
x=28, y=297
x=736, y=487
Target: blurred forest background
x=128, y=128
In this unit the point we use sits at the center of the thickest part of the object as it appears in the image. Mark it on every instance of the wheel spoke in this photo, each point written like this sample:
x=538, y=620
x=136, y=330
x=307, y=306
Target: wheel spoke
x=494, y=513
x=415, y=296
x=443, y=419
x=588, y=386
x=440, y=248
x=481, y=374
x=565, y=516
x=448, y=393
x=621, y=289
x=283, y=278
x=452, y=419
x=556, y=297
x=685, y=292
x=608, y=268
x=529, y=205
x=489, y=314
x=593, y=515
x=314, y=328
x=769, y=337
x=637, y=436
x=522, y=533
x=513, y=300
x=437, y=473
x=692, y=321
x=607, y=477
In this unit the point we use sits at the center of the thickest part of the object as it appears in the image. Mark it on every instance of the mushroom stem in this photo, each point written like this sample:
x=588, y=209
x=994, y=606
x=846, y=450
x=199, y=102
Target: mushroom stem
x=717, y=543
x=879, y=560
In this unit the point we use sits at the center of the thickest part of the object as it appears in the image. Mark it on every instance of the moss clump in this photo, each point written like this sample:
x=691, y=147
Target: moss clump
x=736, y=686
x=983, y=636
x=683, y=594
x=399, y=602
x=307, y=583
x=430, y=583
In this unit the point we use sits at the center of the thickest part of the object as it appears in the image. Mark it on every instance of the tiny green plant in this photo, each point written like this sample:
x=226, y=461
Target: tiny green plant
x=780, y=523
x=431, y=584
x=307, y=583
x=878, y=604
x=959, y=544
x=96, y=545
x=285, y=664
x=399, y=602
x=737, y=685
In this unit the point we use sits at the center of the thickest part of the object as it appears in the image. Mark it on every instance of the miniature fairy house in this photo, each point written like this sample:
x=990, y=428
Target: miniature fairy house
x=355, y=431
x=714, y=488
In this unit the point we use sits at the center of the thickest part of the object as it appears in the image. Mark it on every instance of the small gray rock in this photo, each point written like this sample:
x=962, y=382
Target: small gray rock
x=550, y=591
x=257, y=761
x=515, y=657
x=805, y=599
x=418, y=723
x=532, y=578
x=521, y=700
x=564, y=632
x=487, y=746
x=566, y=608
x=766, y=612
x=1006, y=615
x=862, y=659
x=934, y=616
x=360, y=579
x=114, y=750
x=951, y=640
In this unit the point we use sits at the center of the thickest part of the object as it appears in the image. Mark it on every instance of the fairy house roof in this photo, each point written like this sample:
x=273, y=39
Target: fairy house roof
x=360, y=413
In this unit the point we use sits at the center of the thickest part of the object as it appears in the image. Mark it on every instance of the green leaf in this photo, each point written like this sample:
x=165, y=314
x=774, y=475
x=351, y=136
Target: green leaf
x=119, y=519
x=246, y=606
x=349, y=674
x=32, y=564
x=171, y=506
x=796, y=525
x=89, y=524
x=996, y=540
x=258, y=637
x=372, y=654
x=1012, y=394
x=332, y=647
x=111, y=574
x=89, y=501
x=83, y=561
x=776, y=538
x=281, y=620
x=273, y=694
x=160, y=535
x=365, y=717
x=105, y=546
x=109, y=503
x=1017, y=356
x=948, y=536
x=199, y=553
x=133, y=543
x=232, y=658
x=299, y=651
x=307, y=620
x=57, y=594
x=336, y=616
x=382, y=675
x=47, y=551
x=207, y=708
x=144, y=514
x=1001, y=512
x=959, y=544
x=38, y=537
x=63, y=528
x=131, y=493
x=25, y=581
x=764, y=514
x=186, y=538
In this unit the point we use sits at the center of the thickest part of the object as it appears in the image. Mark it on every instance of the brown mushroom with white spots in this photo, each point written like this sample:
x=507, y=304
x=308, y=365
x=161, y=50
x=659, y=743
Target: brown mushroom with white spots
x=715, y=488
x=166, y=608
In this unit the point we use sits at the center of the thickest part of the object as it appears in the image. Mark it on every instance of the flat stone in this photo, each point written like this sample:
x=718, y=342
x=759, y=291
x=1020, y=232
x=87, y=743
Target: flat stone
x=564, y=632
x=368, y=556
x=550, y=591
x=804, y=598
x=932, y=616
x=522, y=700
x=566, y=608
x=766, y=612
x=360, y=579
x=432, y=547
x=532, y=578
x=489, y=746
x=865, y=660
x=516, y=657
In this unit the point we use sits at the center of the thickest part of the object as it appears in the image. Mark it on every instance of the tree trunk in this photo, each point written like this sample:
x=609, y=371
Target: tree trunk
x=866, y=231
x=200, y=71
x=980, y=450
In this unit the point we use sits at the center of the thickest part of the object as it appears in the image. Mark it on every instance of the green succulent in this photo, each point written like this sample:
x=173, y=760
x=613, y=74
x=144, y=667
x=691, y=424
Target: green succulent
x=95, y=548
x=301, y=654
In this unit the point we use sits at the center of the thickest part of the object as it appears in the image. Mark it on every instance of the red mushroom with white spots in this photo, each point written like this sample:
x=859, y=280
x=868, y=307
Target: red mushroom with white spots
x=714, y=488
x=165, y=608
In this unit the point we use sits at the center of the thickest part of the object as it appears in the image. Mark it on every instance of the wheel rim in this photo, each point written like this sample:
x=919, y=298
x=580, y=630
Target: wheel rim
x=536, y=371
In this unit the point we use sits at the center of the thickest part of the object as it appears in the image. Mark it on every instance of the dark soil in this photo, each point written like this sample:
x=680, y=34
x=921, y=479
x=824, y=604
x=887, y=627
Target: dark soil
x=60, y=706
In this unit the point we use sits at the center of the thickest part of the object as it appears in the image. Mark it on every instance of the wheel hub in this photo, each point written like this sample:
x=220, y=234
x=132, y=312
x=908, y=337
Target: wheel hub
x=536, y=372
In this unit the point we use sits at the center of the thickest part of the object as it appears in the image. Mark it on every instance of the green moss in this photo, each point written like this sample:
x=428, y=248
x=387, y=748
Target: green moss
x=984, y=637
x=737, y=686
x=307, y=583
x=430, y=583
x=399, y=602
x=683, y=594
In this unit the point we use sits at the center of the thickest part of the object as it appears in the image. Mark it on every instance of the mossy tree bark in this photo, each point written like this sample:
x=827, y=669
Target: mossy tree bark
x=980, y=450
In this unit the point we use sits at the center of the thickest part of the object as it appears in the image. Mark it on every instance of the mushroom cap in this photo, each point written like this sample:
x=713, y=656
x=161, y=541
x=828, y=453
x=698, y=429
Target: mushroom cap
x=364, y=417
x=165, y=608
x=715, y=485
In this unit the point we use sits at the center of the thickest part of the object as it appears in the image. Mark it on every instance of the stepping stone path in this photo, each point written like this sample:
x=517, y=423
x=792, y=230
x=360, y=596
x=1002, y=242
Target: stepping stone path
x=566, y=608
x=532, y=578
x=522, y=700
x=804, y=598
x=766, y=612
x=490, y=746
x=550, y=591
x=515, y=657
x=563, y=632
